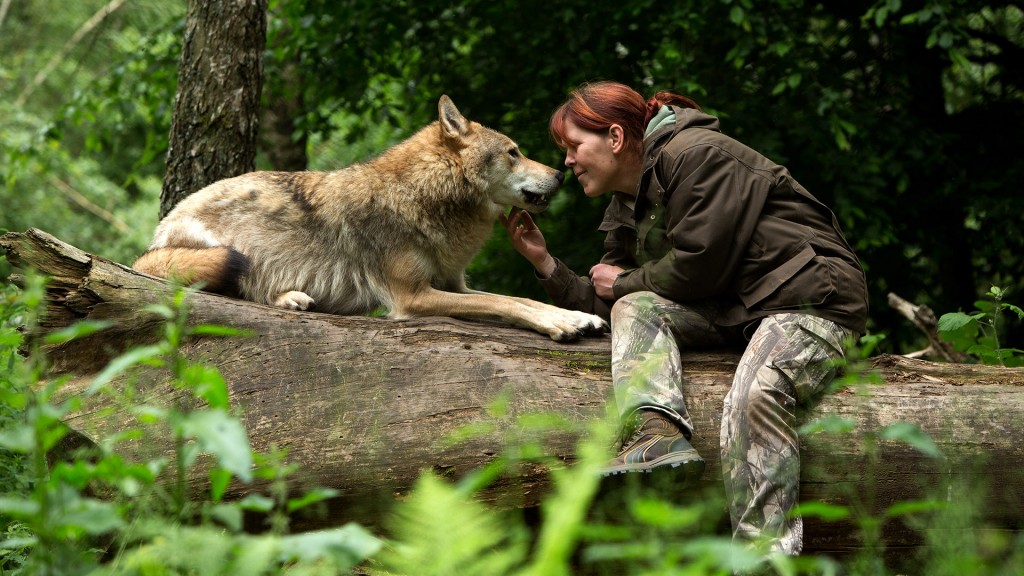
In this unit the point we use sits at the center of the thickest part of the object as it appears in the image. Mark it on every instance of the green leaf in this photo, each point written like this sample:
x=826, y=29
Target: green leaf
x=18, y=543
x=984, y=307
x=77, y=330
x=313, y=496
x=162, y=310
x=256, y=503
x=148, y=414
x=842, y=142
x=255, y=555
x=92, y=516
x=662, y=514
x=223, y=436
x=823, y=510
x=727, y=555
x=15, y=399
x=954, y=321
x=913, y=507
x=912, y=435
x=449, y=532
x=133, y=357
x=945, y=40
x=346, y=546
x=215, y=330
x=19, y=507
x=498, y=407
x=831, y=424
x=229, y=515
x=881, y=14
x=19, y=439
x=207, y=383
x=219, y=481
x=736, y=15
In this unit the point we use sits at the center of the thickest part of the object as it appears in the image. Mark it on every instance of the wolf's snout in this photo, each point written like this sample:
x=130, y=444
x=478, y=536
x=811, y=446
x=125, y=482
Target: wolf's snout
x=560, y=176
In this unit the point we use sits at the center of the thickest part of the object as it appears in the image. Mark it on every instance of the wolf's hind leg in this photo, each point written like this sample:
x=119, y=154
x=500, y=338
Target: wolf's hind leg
x=294, y=300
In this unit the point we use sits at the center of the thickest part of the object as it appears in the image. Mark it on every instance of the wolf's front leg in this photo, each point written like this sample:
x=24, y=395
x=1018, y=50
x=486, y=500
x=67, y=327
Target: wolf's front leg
x=559, y=324
x=582, y=322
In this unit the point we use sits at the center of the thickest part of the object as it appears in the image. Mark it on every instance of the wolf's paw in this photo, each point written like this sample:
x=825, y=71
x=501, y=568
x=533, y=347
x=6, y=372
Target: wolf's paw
x=589, y=324
x=569, y=325
x=294, y=300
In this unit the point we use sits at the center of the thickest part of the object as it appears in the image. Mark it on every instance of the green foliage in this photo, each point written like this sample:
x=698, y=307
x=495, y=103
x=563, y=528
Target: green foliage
x=439, y=530
x=14, y=476
x=81, y=147
x=978, y=333
x=146, y=520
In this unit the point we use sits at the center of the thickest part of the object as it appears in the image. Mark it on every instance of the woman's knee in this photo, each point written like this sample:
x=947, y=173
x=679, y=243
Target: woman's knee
x=635, y=305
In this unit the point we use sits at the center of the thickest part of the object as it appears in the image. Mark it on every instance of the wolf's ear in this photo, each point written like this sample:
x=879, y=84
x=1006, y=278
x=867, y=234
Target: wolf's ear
x=453, y=123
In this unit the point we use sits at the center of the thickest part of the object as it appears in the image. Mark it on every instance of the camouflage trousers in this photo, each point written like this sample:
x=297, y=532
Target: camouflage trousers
x=789, y=360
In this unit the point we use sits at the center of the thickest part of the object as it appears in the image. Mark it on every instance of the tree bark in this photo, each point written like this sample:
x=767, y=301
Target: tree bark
x=216, y=109
x=365, y=404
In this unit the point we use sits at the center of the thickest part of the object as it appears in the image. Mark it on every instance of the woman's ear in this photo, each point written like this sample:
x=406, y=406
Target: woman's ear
x=616, y=138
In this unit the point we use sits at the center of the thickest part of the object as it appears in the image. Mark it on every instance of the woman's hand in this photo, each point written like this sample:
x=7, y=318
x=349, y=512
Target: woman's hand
x=604, y=276
x=528, y=240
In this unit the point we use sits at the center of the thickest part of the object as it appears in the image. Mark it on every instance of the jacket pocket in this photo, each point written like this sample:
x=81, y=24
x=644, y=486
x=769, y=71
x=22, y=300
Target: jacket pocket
x=804, y=280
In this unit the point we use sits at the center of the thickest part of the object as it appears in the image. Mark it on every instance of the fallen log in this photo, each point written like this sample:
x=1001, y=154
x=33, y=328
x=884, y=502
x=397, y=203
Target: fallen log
x=363, y=404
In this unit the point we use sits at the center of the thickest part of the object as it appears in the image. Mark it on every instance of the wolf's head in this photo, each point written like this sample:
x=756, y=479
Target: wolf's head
x=493, y=163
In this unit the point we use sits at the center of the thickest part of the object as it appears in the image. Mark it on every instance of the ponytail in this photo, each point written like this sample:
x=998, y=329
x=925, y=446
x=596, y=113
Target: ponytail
x=666, y=98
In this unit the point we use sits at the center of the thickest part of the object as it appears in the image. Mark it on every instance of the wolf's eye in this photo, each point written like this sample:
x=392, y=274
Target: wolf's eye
x=513, y=152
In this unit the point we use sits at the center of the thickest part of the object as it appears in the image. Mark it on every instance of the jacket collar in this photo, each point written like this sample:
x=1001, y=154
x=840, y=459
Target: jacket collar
x=669, y=121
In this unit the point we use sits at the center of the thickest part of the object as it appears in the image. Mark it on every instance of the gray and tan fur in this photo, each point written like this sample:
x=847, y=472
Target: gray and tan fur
x=397, y=231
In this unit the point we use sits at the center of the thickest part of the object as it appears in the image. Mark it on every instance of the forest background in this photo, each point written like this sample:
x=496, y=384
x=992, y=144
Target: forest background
x=905, y=117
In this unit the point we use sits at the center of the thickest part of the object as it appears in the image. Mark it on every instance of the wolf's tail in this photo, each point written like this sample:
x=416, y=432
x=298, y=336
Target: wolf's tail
x=218, y=268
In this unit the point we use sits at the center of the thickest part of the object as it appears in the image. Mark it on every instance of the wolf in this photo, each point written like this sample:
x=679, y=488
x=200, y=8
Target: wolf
x=396, y=231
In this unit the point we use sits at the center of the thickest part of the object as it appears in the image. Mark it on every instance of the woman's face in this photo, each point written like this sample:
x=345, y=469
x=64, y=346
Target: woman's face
x=592, y=159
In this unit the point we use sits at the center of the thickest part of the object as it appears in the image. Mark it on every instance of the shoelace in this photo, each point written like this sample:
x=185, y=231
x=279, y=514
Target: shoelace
x=638, y=431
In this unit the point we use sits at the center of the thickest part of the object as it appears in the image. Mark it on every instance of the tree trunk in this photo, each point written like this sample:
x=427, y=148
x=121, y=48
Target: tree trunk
x=216, y=109
x=365, y=404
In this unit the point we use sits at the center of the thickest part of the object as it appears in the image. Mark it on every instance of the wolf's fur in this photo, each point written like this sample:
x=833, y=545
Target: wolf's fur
x=396, y=231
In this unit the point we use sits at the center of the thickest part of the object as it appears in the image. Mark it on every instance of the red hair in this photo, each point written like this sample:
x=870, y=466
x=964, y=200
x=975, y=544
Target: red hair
x=596, y=106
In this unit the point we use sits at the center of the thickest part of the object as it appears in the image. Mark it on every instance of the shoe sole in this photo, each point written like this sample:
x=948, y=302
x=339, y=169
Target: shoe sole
x=674, y=460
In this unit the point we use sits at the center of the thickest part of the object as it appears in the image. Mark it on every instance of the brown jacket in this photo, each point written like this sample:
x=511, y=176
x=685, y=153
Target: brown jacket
x=716, y=220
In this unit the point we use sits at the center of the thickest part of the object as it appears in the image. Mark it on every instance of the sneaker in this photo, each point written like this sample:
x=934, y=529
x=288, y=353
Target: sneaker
x=657, y=443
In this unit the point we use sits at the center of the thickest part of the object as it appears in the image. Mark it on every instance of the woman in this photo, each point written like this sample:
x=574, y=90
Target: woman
x=708, y=244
